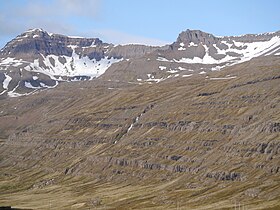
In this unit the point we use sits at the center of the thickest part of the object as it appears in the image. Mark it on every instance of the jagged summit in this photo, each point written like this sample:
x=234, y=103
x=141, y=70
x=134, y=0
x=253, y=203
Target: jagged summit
x=196, y=37
x=38, y=41
x=40, y=32
x=35, y=31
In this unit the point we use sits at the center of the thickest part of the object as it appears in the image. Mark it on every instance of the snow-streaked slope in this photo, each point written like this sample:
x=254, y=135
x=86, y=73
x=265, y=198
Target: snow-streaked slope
x=214, y=54
x=246, y=51
x=74, y=66
x=71, y=66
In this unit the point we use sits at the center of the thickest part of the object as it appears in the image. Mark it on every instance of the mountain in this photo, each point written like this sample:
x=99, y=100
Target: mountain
x=189, y=143
x=37, y=59
x=196, y=52
x=142, y=136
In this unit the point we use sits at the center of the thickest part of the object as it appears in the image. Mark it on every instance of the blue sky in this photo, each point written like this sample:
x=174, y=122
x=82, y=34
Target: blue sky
x=138, y=21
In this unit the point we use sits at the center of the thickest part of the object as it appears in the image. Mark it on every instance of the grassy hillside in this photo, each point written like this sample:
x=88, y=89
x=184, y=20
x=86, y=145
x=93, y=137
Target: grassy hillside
x=205, y=142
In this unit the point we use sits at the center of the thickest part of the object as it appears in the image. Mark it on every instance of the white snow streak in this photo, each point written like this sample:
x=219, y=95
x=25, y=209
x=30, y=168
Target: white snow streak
x=187, y=75
x=6, y=83
x=136, y=120
x=162, y=67
x=222, y=78
x=181, y=68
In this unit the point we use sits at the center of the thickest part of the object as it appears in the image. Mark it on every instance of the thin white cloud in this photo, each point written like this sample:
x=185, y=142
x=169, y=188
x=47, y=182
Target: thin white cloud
x=59, y=8
x=89, y=8
x=55, y=17
x=16, y=18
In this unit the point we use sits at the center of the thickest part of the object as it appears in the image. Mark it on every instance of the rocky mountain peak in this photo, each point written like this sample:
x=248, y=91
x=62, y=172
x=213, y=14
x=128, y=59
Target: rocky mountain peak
x=37, y=59
x=38, y=41
x=35, y=31
x=196, y=37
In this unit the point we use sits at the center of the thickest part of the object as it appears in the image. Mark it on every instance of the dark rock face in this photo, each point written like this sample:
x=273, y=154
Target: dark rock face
x=197, y=37
x=37, y=41
x=131, y=51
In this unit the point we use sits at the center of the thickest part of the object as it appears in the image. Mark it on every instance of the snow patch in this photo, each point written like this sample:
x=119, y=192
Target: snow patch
x=34, y=29
x=218, y=68
x=11, y=62
x=163, y=59
x=7, y=81
x=191, y=44
x=29, y=85
x=93, y=44
x=222, y=78
x=187, y=75
x=16, y=64
x=162, y=68
x=76, y=37
x=151, y=78
x=172, y=71
x=181, y=68
x=135, y=121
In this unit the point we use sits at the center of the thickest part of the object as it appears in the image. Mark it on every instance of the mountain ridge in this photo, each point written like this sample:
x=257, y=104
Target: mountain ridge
x=54, y=58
